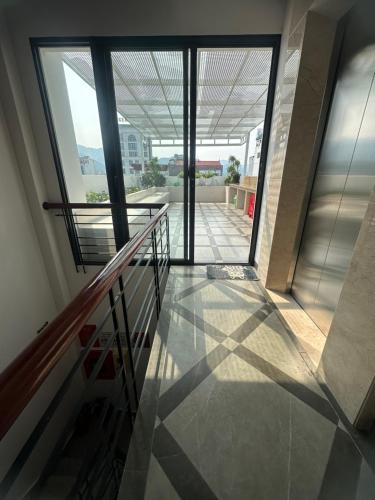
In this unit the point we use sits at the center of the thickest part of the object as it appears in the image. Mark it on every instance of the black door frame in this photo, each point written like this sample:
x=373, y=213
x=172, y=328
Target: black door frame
x=100, y=53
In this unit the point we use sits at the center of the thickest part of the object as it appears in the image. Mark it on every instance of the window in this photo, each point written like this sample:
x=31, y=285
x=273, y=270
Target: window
x=132, y=145
x=74, y=111
x=72, y=103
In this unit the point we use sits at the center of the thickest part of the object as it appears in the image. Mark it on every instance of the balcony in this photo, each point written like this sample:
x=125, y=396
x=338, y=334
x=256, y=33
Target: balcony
x=222, y=232
x=222, y=224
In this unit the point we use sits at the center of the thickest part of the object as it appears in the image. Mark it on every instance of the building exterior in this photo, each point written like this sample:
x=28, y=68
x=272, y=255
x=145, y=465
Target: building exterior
x=254, y=160
x=201, y=166
x=89, y=166
x=136, y=150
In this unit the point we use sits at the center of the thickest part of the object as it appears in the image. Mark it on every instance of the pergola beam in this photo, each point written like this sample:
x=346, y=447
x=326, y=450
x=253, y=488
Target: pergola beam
x=232, y=117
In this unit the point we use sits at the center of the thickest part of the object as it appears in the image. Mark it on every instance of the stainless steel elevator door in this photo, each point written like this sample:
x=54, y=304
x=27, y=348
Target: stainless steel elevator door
x=343, y=183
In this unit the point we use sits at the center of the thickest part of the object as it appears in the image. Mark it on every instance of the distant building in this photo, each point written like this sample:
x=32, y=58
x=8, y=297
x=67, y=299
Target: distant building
x=136, y=150
x=89, y=166
x=209, y=166
x=254, y=161
x=176, y=166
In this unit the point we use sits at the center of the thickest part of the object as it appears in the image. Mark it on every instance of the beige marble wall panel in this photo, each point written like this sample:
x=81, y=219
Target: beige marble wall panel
x=297, y=171
x=284, y=98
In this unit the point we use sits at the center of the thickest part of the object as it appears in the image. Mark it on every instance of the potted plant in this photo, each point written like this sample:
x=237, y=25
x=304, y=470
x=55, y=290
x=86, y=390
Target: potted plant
x=153, y=176
x=233, y=176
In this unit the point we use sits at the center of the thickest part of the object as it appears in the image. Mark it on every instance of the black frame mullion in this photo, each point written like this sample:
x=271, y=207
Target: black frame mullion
x=264, y=152
x=69, y=216
x=185, y=62
x=192, y=151
x=105, y=94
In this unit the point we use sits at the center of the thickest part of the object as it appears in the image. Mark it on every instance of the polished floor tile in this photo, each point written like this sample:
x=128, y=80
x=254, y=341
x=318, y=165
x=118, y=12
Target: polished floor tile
x=229, y=408
x=220, y=227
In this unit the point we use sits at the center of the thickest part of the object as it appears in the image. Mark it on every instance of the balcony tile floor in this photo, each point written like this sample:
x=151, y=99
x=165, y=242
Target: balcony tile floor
x=222, y=233
x=230, y=409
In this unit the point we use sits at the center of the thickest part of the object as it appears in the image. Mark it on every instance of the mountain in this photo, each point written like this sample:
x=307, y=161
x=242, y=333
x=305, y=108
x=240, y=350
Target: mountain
x=96, y=154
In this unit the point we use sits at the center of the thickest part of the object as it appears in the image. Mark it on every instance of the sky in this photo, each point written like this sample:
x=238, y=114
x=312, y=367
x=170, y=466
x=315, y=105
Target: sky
x=85, y=116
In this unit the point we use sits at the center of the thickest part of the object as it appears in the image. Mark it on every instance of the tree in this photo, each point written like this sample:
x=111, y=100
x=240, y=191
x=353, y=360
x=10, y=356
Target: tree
x=153, y=176
x=94, y=197
x=233, y=176
x=208, y=175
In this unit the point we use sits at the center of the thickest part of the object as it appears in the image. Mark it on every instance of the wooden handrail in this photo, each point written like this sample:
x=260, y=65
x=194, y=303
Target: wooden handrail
x=22, y=378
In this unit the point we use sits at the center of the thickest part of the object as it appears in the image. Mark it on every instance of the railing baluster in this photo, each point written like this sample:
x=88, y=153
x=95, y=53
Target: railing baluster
x=119, y=348
x=156, y=272
x=168, y=242
x=161, y=238
x=128, y=341
x=27, y=371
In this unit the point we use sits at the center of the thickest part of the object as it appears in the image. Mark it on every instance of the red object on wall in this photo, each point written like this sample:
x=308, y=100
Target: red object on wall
x=250, y=211
x=107, y=371
x=85, y=335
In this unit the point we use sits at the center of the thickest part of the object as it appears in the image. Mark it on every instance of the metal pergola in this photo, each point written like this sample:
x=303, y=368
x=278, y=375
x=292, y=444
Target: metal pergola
x=232, y=86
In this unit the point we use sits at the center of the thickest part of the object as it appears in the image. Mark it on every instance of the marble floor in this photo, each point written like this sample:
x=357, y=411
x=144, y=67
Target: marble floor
x=222, y=233
x=230, y=409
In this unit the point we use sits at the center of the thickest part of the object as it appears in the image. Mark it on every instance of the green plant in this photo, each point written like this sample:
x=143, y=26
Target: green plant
x=233, y=176
x=198, y=175
x=153, y=177
x=94, y=197
x=132, y=189
x=208, y=175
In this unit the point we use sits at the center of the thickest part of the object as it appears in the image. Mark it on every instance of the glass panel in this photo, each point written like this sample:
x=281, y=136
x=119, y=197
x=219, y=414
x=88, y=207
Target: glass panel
x=69, y=79
x=149, y=100
x=231, y=103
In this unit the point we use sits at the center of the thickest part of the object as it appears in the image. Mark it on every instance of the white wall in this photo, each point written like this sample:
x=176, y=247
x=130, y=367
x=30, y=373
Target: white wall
x=26, y=303
x=26, y=300
x=164, y=17
x=38, y=185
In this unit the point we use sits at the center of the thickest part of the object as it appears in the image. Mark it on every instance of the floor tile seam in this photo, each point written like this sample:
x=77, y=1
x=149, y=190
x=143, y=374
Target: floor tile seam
x=219, y=354
x=355, y=435
x=287, y=380
x=148, y=451
x=194, y=319
x=196, y=480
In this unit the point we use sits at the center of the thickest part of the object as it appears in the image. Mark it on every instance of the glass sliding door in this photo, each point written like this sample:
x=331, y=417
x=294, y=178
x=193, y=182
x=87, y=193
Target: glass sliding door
x=149, y=94
x=232, y=92
x=154, y=121
x=73, y=112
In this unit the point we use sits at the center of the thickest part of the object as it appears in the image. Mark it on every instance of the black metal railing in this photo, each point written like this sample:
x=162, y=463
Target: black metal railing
x=92, y=227
x=112, y=323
